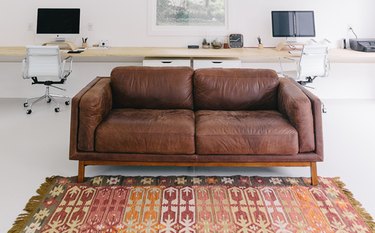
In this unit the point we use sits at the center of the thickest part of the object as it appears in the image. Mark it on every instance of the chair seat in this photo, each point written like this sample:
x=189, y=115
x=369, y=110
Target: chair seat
x=244, y=132
x=146, y=131
x=291, y=74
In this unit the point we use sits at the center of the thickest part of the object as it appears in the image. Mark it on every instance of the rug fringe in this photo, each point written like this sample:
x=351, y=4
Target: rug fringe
x=356, y=204
x=32, y=204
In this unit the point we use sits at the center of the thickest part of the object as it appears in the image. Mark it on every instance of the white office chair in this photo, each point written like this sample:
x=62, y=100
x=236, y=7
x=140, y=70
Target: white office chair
x=43, y=65
x=312, y=63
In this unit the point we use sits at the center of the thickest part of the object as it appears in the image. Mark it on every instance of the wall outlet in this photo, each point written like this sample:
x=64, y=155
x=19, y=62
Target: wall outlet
x=90, y=27
x=103, y=44
x=30, y=27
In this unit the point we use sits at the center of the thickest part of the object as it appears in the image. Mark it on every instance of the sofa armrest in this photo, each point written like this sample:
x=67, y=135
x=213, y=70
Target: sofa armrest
x=89, y=107
x=318, y=122
x=297, y=107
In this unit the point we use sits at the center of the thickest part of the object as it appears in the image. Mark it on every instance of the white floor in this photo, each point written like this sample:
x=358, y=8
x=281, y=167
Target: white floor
x=36, y=146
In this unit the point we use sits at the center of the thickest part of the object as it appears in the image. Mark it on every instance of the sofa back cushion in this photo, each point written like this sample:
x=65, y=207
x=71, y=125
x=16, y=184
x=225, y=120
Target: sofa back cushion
x=152, y=87
x=235, y=89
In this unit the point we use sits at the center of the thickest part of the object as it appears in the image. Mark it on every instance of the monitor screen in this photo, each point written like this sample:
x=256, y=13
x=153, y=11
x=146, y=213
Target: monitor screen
x=58, y=21
x=293, y=24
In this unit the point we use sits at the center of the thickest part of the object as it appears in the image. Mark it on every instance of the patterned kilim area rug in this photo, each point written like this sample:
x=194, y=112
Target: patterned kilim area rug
x=192, y=204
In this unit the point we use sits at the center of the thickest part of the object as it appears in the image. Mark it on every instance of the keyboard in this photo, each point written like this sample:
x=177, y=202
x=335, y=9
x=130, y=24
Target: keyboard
x=75, y=51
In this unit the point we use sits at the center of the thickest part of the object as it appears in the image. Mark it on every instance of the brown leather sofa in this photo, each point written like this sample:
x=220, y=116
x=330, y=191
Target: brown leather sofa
x=209, y=117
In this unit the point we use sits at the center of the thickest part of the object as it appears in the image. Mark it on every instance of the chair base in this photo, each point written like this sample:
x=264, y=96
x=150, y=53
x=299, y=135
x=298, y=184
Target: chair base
x=306, y=81
x=48, y=97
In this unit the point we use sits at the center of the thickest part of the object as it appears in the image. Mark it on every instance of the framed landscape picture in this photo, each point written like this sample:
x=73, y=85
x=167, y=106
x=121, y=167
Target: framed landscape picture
x=192, y=17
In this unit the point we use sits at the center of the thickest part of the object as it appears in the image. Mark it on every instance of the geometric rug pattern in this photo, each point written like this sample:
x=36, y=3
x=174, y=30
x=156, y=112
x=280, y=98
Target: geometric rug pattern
x=175, y=204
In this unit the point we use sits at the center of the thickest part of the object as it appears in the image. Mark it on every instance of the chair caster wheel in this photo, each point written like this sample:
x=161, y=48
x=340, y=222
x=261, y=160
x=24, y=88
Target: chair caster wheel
x=25, y=105
x=48, y=100
x=28, y=111
x=67, y=102
x=57, y=109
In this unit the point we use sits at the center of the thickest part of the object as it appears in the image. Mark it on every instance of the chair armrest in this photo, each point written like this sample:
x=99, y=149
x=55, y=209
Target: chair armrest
x=66, y=69
x=89, y=107
x=297, y=108
x=289, y=59
x=24, y=69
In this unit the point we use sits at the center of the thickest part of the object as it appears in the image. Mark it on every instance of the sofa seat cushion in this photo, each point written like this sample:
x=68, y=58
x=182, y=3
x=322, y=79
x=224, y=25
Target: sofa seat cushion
x=245, y=133
x=146, y=131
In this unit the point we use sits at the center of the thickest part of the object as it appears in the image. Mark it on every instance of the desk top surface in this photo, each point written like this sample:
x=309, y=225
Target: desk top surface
x=136, y=54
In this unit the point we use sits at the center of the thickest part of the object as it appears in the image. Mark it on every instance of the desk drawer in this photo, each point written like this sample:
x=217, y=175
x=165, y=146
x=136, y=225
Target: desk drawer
x=216, y=63
x=166, y=62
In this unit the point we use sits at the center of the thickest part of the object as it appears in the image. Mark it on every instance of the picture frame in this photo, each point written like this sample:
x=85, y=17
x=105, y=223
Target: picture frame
x=192, y=28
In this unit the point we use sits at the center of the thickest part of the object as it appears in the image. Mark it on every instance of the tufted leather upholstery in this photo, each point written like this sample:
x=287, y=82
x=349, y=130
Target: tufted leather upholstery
x=235, y=89
x=152, y=88
x=177, y=114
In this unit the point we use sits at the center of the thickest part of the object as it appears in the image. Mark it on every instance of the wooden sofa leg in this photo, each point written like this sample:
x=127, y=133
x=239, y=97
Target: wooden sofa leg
x=81, y=171
x=314, y=174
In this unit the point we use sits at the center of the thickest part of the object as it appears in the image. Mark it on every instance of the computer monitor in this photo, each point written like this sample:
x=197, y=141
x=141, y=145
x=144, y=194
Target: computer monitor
x=293, y=24
x=58, y=21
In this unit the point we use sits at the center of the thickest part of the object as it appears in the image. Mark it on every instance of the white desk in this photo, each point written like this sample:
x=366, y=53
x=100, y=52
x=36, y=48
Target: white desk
x=352, y=73
x=137, y=54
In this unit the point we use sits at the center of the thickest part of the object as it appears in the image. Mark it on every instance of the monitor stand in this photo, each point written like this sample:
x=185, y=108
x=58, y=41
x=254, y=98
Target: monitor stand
x=62, y=45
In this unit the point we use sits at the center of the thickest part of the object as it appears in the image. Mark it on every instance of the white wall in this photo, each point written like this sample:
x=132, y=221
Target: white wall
x=125, y=22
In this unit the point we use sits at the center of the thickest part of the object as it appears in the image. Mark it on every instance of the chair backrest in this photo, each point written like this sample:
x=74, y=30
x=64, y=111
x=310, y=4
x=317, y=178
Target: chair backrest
x=313, y=61
x=42, y=61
